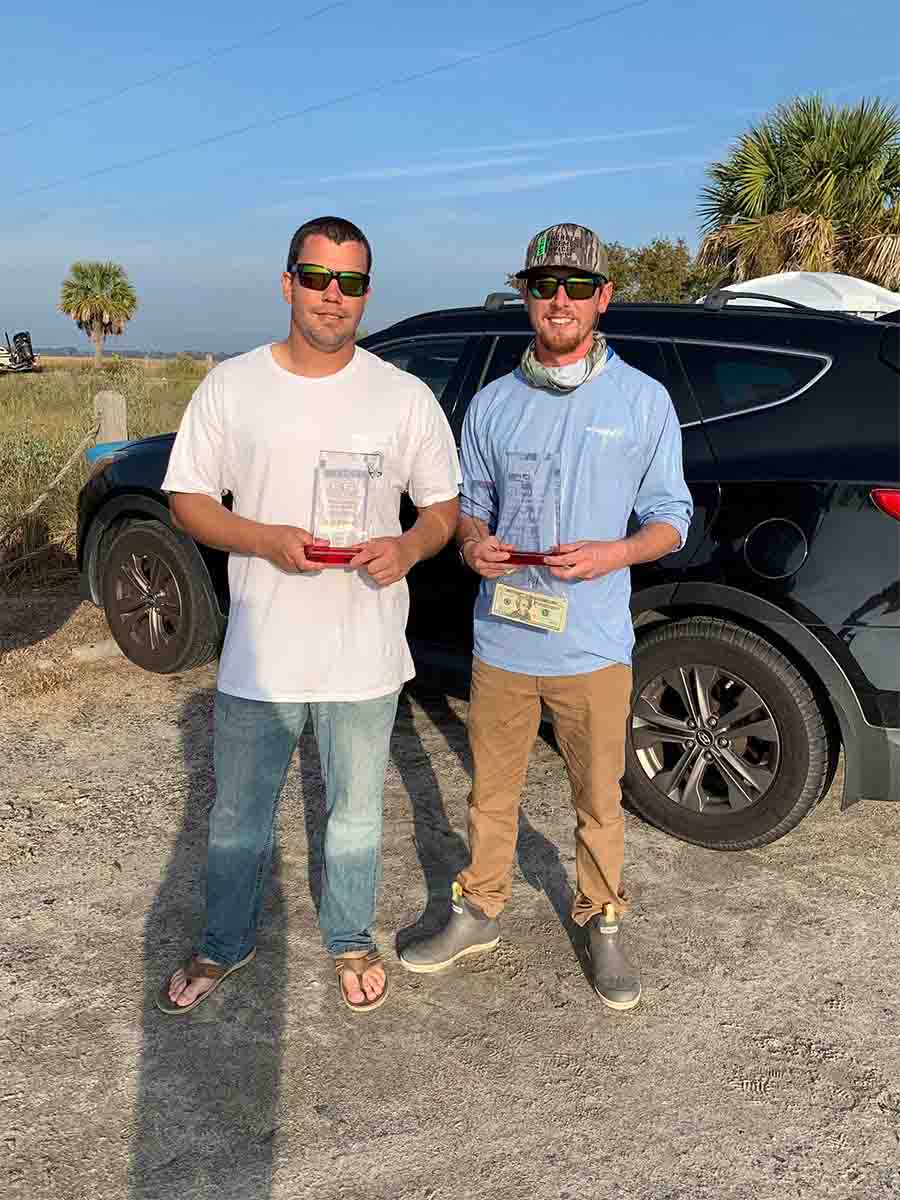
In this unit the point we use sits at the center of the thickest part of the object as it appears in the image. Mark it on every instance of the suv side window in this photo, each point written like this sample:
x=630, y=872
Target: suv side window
x=507, y=352
x=643, y=354
x=728, y=380
x=437, y=361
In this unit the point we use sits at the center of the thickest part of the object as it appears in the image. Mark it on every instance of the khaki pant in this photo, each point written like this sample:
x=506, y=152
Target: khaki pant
x=589, y=714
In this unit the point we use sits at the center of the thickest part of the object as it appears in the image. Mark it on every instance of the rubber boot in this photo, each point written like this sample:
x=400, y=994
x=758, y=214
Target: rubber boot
x=615, y=979
x=468, y=931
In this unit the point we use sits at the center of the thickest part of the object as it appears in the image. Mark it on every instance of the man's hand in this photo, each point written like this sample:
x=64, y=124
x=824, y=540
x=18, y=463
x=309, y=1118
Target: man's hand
x=487, y=556
x=283, y=546
x=386, y=559
x=587, y=560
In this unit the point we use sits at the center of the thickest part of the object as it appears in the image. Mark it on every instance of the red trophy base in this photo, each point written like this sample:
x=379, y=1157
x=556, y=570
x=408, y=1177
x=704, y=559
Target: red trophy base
x=528, y=558
x=330, y=556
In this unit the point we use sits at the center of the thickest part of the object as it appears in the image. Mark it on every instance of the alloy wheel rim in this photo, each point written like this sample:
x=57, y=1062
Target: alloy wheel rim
x=148, y=601
x=706, y=739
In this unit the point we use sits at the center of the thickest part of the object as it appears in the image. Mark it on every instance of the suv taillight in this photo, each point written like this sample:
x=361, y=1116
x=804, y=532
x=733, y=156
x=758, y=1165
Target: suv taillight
x=888, y=500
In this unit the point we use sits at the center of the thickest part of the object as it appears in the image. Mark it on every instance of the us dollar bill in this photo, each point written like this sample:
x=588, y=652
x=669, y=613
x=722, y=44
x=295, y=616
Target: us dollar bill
x=530, y=608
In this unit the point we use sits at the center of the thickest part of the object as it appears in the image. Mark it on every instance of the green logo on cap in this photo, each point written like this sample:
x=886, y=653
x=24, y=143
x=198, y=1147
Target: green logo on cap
x=541, y=246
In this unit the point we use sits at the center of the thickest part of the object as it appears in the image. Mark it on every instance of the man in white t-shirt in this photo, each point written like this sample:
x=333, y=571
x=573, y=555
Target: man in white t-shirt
x=306, y=639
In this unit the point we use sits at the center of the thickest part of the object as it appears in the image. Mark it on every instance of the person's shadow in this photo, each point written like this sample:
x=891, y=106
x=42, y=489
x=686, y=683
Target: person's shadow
x=442, y=852
x=207, y=1090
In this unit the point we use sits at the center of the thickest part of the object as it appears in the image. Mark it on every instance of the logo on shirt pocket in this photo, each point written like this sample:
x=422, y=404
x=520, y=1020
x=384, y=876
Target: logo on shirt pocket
x=374, y=464
x=373, y=451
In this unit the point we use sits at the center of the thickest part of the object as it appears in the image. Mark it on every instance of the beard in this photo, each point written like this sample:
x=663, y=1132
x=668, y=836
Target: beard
x=563, y=340
x=328, y=335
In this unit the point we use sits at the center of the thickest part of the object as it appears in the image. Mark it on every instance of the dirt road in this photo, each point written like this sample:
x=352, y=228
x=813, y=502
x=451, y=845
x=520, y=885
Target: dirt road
x=763, y=1062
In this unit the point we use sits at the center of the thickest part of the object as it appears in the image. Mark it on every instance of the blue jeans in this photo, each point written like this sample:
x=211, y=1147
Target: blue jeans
x=254, y=743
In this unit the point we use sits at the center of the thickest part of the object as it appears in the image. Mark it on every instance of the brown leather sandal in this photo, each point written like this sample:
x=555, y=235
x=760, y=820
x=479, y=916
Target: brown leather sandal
x=359, y=964
x=198, y=970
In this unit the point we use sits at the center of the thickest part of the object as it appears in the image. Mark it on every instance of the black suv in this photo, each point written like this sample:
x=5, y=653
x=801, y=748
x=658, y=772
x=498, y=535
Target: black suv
x=766, y=645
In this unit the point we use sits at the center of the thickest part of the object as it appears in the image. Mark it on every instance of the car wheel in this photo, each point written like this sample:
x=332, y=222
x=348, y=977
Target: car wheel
x=158, y=599
x=726, y=746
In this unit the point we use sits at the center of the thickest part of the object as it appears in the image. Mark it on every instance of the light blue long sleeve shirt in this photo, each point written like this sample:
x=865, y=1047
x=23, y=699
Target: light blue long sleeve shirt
x=619, y=451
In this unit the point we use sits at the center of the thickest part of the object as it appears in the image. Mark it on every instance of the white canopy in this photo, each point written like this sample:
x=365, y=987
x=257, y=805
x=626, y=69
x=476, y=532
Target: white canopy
x=825, y=290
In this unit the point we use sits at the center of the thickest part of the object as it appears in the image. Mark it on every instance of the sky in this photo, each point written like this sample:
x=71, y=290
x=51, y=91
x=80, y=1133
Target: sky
x=188, y=142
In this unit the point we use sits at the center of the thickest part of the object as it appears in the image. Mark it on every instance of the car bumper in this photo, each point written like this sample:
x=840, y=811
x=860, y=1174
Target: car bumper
x=878, y=773
x=871, y=763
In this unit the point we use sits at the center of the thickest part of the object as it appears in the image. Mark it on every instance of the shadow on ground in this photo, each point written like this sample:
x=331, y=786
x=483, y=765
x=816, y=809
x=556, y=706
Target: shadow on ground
x=36, y=598
x=442, y=852
x=208, y=1082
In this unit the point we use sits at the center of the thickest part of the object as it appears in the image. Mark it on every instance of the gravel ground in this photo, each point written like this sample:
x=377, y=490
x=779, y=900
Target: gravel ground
x=763, y=1061
x=39, y=629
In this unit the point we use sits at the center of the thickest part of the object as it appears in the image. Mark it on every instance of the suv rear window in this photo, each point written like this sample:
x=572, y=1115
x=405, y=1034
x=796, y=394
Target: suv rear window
x=728, y=380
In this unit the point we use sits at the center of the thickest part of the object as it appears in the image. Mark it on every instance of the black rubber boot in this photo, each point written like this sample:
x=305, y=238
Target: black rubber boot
x=615, y=980
x=469, y=931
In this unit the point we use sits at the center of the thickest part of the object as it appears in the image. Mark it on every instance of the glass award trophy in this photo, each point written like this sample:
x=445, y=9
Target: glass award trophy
x=529, y=522
x=531, y=499
x=341, y=495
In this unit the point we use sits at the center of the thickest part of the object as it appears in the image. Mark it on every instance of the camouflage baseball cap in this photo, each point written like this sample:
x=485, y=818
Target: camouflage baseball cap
x=566, y=246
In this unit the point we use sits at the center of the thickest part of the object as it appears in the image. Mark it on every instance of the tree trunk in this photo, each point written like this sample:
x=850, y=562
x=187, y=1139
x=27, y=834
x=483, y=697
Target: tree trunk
x=98, y=343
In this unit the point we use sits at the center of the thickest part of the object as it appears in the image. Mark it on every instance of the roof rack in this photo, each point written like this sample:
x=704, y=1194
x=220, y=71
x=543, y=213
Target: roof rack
x=718, y=299
x=500, y=300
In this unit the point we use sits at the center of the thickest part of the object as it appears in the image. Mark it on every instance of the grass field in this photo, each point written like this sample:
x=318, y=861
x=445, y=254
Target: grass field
x=74, y=362
x=43, y=417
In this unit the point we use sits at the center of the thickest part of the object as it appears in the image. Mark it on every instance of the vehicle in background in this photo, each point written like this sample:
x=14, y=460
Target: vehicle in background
x=766, y=646
x=18, y=355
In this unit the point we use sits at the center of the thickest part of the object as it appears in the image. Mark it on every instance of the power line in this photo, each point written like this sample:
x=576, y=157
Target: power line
x=313, y=108
x=167, y=74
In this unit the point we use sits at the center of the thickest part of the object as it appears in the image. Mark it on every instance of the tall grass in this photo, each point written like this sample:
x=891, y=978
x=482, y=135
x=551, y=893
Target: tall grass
x=43, y=417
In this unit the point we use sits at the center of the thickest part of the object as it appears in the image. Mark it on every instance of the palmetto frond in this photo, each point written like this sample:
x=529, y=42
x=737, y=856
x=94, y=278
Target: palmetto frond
x=98, y=294
x=812, y=187
x=878, y=255
x=807, y=243
x=784, y=241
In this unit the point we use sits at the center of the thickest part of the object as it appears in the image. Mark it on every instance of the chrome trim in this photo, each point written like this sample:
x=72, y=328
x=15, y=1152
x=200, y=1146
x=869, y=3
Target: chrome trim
x=826, y=359
x=618, y=337
x=420, y=337
x=490, y=359
x=675, y=341
x=762, y=525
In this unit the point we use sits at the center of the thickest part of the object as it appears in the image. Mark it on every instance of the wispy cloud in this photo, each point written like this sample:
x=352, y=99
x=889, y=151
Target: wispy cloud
x=537, y=179
x=421, y=170
x=438, y=164
x=584, y=139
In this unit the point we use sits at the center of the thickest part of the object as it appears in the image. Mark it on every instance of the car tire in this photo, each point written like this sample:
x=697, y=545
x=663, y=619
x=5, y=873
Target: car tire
x=158, y=598
x=726, y=745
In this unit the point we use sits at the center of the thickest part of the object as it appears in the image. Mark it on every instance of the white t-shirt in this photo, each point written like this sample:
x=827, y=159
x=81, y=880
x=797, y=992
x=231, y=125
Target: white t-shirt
x=256, y=430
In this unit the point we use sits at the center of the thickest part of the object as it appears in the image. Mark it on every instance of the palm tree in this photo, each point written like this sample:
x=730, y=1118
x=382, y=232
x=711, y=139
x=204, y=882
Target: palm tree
x=100, y=300
x=813, y=187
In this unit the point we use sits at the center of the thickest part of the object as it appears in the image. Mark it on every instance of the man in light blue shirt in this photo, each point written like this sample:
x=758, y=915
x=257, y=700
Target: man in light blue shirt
x=556, y=457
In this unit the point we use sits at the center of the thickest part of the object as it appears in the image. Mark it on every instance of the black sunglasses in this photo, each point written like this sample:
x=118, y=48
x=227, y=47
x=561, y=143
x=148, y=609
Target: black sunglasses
x=317, y=279
x=578, y=287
